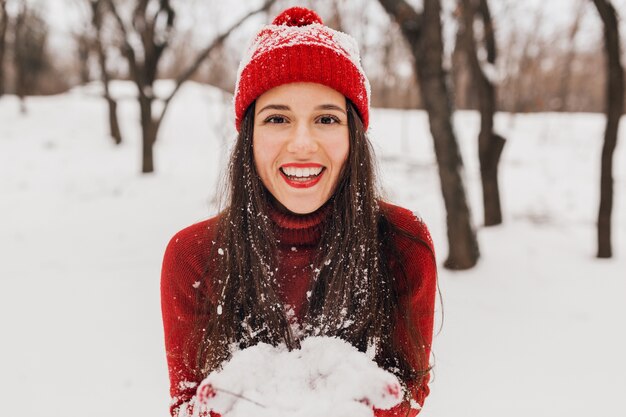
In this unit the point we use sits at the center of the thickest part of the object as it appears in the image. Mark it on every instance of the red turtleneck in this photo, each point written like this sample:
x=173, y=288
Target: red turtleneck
x=187, y=255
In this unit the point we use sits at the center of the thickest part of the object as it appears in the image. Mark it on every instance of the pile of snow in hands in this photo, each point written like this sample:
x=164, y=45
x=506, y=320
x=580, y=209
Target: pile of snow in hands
x=326, y=377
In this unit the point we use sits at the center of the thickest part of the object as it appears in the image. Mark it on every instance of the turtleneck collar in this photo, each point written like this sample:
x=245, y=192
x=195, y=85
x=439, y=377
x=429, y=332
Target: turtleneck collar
x=298, y=229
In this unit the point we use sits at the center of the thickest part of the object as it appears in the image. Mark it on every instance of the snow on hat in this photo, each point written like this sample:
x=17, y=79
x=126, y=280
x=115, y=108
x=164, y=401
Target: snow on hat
x=297, y=47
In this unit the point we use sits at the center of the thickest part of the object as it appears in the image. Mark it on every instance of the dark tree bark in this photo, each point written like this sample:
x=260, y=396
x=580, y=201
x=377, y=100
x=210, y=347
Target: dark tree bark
x=19, y=59
x=4, y=24
x=31, y=61
x=464, y=96
x=97, y=13
x=155, y=30
x=490, y=144
x=423, y=33
x=614, y=111
x=83, y=43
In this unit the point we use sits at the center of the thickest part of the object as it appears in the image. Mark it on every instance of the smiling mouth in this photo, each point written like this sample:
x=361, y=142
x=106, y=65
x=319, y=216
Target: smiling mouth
x=302, y=177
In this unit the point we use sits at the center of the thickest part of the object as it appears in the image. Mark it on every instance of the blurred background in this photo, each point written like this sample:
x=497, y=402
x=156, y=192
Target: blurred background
x=496, y=121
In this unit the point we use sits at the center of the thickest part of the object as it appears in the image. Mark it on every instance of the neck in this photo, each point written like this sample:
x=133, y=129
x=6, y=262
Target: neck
x=294, y=229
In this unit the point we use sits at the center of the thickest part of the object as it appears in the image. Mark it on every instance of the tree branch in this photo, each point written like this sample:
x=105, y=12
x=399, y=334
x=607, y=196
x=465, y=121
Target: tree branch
x=490, y=39
x=207, y=51
x=404, y=14
x=127, y=49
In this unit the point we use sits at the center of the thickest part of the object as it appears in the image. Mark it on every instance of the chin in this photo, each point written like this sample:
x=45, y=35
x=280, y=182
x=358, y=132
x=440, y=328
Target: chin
x=300, y=207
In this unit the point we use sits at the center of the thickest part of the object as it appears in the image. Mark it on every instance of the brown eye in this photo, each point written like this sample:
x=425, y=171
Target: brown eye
x=328, y=119
x=276, y=120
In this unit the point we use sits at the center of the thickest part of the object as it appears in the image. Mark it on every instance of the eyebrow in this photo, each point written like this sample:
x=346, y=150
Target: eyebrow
x=284, y=107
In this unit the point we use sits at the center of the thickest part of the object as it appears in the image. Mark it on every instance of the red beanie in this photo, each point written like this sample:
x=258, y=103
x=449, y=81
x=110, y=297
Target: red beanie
x=297, y=47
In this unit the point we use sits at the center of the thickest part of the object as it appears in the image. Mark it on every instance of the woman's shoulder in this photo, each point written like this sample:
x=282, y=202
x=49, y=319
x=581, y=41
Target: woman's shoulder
x=192, y=244
x=409, y=223
x=195, y=234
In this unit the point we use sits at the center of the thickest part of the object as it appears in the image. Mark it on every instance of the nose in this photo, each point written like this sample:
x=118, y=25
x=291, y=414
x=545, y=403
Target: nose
x=303, y=140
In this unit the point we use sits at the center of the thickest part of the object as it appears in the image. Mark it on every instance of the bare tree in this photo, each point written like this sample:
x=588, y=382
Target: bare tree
x=614, y=111
x=566, y=74
x=423, y=33
x=30, y=56
x=83, y=50
x=143, y=43
x=18, y=52
x=490, y=144
x=4, y=24
x=97, y=15
x=523, y=67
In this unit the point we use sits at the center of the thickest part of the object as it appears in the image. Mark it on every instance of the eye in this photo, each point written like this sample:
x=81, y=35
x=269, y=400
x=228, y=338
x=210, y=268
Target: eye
x=275, y=119
x=328, y=119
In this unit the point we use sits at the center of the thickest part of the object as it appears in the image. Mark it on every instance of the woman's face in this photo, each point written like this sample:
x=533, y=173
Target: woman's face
x=300, y=143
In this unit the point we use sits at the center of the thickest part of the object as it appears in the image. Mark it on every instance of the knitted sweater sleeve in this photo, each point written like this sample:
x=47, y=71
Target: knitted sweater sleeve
x=417, y=294
x=181, y=277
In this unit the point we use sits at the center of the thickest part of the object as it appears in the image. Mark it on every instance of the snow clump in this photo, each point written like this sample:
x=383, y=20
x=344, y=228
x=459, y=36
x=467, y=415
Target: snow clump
x=326, y=377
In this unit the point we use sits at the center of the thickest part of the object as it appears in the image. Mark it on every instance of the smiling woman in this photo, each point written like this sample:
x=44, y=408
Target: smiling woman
x=305, y=246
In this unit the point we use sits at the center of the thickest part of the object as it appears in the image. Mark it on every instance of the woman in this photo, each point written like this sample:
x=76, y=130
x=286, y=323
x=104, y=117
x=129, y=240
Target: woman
x=304, y=246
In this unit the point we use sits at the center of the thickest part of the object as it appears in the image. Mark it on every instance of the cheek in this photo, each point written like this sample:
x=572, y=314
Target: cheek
x=263, y=156
x=339, y=153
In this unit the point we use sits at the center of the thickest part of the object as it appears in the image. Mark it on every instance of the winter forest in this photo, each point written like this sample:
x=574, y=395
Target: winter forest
x=496, y=121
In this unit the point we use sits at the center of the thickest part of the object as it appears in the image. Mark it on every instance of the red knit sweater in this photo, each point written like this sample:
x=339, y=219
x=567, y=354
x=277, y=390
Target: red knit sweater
x=187, y=254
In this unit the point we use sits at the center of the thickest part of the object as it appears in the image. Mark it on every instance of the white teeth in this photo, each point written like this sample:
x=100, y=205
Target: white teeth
x=301, y=172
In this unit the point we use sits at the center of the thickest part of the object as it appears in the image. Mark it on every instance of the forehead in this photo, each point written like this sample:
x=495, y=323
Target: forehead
x=302, y=94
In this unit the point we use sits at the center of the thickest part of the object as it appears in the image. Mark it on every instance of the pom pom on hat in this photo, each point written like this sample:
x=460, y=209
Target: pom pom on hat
x=297, y=16
x=297, y=47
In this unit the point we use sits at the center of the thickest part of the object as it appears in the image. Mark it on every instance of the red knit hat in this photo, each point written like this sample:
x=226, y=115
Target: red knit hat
x=297, y=47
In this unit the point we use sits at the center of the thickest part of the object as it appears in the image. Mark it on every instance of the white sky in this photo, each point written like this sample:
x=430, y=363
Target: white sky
x=65, y=16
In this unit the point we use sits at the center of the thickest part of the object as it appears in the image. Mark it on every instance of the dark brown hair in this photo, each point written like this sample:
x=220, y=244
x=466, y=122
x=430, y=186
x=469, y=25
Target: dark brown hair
x=353, y=292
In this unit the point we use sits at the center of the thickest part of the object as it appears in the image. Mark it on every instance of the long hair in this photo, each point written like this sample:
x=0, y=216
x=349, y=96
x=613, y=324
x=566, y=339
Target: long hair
x=353, y=291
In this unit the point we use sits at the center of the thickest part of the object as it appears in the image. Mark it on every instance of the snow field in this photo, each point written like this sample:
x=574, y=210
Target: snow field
x=535, y=328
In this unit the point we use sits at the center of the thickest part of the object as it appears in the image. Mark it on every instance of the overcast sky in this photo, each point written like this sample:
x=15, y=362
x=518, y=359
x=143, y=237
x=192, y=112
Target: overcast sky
x=65, y=16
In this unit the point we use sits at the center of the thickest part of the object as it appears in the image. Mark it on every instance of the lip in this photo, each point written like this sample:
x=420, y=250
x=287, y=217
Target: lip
x=300, y=184
x=302, y=165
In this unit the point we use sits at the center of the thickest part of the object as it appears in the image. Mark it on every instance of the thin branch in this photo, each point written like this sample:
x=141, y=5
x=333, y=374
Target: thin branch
x=127, y=49
x=489, y=37
x=206, y=52
x=408, y=19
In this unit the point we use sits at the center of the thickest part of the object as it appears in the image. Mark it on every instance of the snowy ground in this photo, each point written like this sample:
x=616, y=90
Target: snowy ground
x=533, y=330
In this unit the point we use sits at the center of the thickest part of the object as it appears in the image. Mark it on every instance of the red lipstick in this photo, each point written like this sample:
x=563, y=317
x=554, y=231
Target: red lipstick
x=300, y=183
x=302, y=165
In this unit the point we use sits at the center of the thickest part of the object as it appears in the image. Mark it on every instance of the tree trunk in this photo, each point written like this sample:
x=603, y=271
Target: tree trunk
x=614, y=111
x=4, y=24
x=114, y=126
x=424, y=35
x=83, y=58
x=18, y=58
x=463, y=86
x=149, y=130
x=97, y=10
x=490, y=144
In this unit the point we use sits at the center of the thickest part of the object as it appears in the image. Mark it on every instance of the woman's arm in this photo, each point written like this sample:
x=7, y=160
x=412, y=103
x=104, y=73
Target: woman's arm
x=417, y=271
x=181, y=277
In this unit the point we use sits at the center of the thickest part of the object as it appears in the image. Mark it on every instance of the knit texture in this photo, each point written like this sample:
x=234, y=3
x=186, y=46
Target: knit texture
x=186, y=257
x=297, y=47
